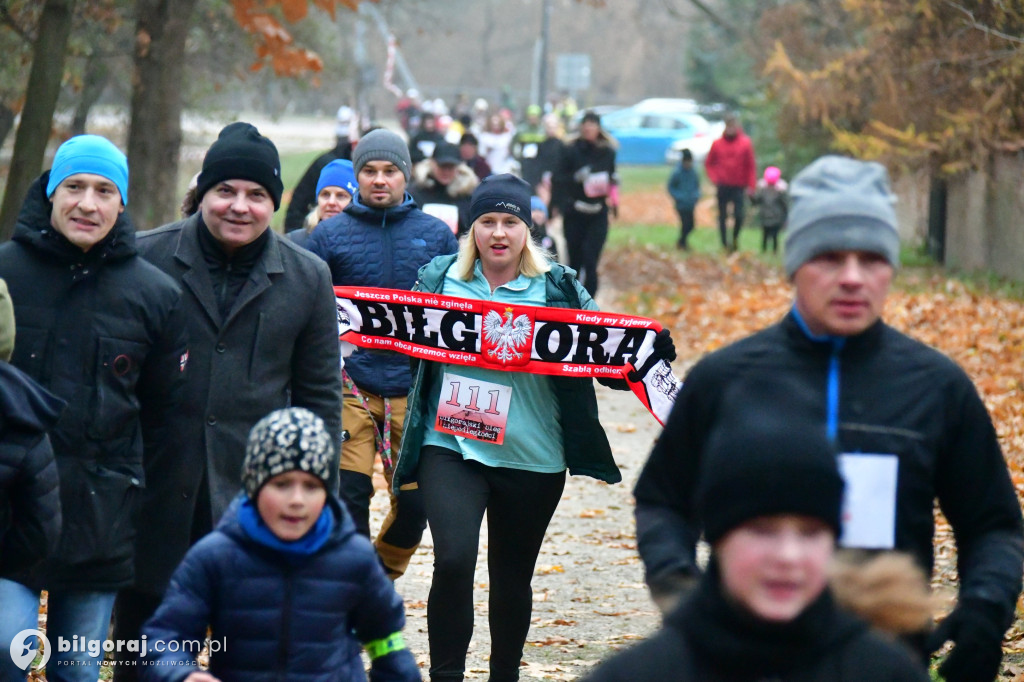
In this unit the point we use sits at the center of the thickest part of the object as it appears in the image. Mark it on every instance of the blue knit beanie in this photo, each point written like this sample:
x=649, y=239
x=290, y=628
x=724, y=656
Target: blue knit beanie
x=537, y=204
x=89, y=154
x=338, y=173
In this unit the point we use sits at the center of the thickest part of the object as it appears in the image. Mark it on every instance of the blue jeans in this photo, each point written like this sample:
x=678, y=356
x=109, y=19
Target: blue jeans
x=69, y=613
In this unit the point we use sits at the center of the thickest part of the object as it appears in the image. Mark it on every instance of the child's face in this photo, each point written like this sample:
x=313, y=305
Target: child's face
x=290, y=503
x=775, y=566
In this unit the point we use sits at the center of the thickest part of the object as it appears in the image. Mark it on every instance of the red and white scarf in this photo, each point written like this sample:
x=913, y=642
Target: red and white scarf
x=505, y=337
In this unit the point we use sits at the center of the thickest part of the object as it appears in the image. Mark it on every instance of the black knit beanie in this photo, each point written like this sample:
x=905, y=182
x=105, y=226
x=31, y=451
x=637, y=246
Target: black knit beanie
x=241, y=153
x=503, y=193
x=758, y=464
x=289, y=439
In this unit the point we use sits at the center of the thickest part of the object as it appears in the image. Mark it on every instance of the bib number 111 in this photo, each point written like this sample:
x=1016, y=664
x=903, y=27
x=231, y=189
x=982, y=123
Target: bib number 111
x=473, y=408
x=474, y=393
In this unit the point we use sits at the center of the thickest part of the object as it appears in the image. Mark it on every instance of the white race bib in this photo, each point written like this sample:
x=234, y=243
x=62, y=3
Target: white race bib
x=472, y=408
x=869, y=503
x=597, y=185
x=447, y=213
x=426, y=147
x=530, y=151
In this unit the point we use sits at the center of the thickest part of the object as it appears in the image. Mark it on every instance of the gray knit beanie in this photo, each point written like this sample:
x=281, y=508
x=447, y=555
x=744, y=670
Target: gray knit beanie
x=286, y=440
x=382, y=145
x=841, y=204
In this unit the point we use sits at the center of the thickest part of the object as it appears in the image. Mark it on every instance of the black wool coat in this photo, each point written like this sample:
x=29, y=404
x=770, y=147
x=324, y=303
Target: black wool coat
x=278, y=347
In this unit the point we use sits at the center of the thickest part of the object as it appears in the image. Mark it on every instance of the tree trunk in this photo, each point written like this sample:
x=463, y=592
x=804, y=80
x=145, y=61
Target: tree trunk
x=40, y=102
x=97, y=73
x=6, y=122
x=154, y=139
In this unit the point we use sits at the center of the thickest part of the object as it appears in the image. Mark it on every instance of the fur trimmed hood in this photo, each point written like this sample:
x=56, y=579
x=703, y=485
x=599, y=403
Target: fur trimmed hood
x=462, y=186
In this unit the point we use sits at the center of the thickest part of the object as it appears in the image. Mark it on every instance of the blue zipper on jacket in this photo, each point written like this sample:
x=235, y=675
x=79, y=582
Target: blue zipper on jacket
x=832, y=386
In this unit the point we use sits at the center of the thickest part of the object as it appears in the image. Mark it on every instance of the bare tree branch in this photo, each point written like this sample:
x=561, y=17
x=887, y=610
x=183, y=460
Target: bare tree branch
x=974, y=23
x=9, y=21
x=718, y=19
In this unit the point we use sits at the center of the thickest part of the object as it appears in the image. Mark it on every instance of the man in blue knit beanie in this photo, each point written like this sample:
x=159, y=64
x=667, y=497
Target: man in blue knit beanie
x=102, y=329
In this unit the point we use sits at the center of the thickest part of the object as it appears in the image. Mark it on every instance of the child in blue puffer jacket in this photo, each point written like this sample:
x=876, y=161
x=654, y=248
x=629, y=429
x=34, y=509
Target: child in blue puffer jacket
x=287, y=587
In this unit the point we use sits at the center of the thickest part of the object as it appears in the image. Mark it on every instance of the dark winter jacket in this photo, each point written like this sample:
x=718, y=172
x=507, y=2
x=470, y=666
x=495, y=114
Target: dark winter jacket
x=369, y=247
x=587, y=452
x=304, y=194
x=550, y=157
x=299, y=236
x=103, y=330
x=580, y=160
x=730, y=162
x=29, y=495
x=894, y=396
x=709, y=639
x=773, y=203
x=280, y=617
x=422, y=144
x=526, y=150
x=479, y=166
x=425, y=189
x=278, y=347
x=684, y=187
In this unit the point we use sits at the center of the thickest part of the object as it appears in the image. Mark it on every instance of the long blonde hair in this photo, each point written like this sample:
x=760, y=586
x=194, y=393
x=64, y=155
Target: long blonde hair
x=533, y=261
x=312, y=220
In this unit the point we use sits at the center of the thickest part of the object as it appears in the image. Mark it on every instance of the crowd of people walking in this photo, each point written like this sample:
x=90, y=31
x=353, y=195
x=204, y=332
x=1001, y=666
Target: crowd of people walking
x=185, y=452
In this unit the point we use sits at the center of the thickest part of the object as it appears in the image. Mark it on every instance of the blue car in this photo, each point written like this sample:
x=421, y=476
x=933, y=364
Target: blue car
x=646, y=135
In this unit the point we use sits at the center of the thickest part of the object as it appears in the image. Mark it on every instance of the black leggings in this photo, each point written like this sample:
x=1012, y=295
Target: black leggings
x=585, y=235
x=519, y=506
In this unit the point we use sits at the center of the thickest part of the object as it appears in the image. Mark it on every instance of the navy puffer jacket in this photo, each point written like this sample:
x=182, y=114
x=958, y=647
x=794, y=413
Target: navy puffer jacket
x=29, y=493
x=370, y=247
x=300, y=620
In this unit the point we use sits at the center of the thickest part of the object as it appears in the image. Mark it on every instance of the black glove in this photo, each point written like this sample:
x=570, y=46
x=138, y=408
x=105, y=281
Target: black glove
x=978, y=649
x=663, y=349
x=669, y=590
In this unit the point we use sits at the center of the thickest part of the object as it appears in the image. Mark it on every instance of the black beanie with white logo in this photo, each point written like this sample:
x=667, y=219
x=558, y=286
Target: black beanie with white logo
x=503, y=193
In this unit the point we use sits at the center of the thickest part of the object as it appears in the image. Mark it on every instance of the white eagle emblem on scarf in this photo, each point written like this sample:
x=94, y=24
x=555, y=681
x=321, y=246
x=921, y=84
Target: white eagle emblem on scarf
x=506, y=335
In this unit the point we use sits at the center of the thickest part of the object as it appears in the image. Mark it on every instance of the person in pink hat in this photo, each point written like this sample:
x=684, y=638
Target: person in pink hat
x=772, y=199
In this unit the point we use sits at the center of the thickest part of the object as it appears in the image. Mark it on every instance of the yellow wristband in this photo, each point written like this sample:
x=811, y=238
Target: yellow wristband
x=385, y=645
